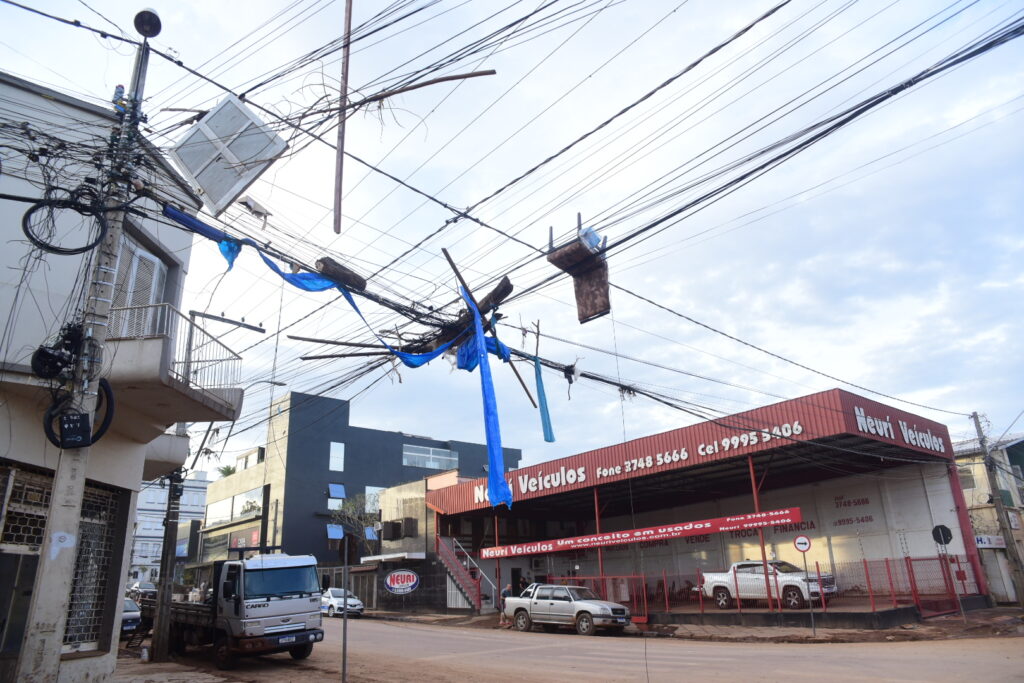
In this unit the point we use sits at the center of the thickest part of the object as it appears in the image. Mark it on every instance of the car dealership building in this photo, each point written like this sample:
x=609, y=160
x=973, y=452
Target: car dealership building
x=870, y=486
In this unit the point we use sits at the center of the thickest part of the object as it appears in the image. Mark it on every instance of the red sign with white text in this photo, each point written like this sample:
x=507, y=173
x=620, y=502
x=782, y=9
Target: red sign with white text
x=661, y=532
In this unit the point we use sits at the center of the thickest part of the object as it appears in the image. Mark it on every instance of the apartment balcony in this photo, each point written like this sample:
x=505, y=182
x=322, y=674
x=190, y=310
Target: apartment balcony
x=164, y=369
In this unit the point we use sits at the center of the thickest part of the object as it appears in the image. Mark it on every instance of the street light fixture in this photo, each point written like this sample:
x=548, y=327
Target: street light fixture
x=147, y=23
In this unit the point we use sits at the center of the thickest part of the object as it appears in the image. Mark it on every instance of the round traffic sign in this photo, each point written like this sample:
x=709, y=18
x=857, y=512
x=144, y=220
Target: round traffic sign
x=942, y=534
x=802, y=543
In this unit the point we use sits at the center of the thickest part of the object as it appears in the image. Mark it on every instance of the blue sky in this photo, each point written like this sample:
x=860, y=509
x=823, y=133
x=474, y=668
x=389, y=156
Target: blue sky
x=901, y=275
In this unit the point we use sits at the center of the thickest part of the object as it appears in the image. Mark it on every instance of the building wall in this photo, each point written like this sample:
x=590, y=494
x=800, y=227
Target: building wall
x=300, y=432
x=978, y=495
x=148, y=541
x=887, y=514
x=37, y=296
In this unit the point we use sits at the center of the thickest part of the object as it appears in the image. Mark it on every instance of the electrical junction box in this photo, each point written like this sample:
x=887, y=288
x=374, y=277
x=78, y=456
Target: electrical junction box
x=75, y=430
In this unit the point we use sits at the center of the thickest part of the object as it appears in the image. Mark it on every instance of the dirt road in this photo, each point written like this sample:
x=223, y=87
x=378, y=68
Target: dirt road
x=395, y=651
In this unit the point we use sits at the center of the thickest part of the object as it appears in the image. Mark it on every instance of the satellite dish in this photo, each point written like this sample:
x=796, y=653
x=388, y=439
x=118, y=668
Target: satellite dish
x=226, y=151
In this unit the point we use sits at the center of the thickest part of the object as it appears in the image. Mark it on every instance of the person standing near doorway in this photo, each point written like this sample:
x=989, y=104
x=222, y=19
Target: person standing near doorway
x=506, y=593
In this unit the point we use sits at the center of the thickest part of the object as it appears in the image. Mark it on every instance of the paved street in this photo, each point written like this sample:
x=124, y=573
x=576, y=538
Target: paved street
x=395, y=651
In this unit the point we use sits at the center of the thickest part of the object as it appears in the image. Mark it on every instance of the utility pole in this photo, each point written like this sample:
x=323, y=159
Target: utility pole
x=39, y=659
x=339, y=164
x=168, y=553
x=1012, y=553
x=162, y=618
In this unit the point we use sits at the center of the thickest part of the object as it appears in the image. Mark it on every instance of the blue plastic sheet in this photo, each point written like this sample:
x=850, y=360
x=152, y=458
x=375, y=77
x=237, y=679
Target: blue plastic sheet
x=498, y=489
x=310, y=282
x=542, y=401
x=467, y=358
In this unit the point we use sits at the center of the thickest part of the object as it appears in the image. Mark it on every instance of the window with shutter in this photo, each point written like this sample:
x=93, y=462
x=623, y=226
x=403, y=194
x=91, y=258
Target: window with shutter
x=141, y=277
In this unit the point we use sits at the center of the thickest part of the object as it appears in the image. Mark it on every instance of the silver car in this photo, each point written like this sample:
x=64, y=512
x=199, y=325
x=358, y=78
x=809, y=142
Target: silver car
x=556, y=606
x=332, y=603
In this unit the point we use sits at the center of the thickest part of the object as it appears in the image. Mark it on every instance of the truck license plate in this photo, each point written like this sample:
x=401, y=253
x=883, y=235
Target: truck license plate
x=287, y=639
x=622, y=621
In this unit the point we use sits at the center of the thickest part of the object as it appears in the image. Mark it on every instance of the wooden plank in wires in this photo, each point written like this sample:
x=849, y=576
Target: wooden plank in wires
x=487, y=321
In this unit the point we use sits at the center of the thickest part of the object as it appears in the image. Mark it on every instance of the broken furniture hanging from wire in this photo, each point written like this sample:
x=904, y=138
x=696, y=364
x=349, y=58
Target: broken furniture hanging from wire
x=583, y=258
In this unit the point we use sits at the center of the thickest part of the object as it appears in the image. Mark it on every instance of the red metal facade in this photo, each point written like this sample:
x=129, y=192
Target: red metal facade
x=817, y=416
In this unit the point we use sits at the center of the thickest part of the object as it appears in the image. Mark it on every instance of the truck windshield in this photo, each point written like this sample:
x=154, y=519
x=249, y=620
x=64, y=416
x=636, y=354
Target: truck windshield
x=583, y=594
x=269, y=583
x=785, y=567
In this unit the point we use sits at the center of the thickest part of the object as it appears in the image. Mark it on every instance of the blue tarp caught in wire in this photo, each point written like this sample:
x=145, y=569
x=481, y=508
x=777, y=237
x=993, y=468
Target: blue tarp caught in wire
x=475, y=348
x=498, y=490
x=310, y=282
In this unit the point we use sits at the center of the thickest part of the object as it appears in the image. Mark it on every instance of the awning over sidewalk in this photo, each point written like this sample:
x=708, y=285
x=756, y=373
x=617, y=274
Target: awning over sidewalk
x=392, y=557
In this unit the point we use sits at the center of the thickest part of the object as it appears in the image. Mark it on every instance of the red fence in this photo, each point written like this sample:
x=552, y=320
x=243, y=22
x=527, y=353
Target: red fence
x=933, y=584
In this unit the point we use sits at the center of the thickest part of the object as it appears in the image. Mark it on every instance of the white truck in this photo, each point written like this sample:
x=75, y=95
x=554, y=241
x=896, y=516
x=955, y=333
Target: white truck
x=555, y=606
x=746, y=581
x=258, y=606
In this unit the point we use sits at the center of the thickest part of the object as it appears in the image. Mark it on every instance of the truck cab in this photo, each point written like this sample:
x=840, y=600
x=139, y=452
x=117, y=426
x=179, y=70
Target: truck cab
x=270, y=596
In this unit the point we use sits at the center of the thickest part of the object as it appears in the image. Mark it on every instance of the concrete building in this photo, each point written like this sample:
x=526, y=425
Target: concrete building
x=284, y=495
x=1008, y=457
x=149, y=522
x=863, y=484
x=61, y=621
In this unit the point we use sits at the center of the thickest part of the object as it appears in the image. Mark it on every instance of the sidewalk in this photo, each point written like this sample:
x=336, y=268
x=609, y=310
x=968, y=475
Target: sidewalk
x=134, y=670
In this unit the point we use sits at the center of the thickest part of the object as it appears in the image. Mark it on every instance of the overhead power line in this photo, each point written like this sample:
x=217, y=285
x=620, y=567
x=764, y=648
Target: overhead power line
x=777, y=356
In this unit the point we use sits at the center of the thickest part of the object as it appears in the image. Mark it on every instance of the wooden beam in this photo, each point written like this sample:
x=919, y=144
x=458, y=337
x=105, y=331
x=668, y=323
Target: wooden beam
x=490, y=303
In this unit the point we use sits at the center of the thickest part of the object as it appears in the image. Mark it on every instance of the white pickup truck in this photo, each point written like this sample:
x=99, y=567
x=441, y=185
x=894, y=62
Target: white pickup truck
x=745, y=581
x=554, y=606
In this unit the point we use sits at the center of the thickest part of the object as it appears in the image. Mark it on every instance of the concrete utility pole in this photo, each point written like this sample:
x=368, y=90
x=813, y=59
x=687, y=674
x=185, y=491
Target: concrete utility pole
x=339, y=164
x=1012, y=553
x=39, y=659
x=162, y=618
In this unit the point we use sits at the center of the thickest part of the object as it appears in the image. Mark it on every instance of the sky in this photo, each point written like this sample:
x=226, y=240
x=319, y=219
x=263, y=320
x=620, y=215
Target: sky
x=887, y=255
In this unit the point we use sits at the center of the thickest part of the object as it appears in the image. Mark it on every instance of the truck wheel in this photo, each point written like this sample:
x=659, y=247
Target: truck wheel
x=330, y=611
x=722, y=599
x=522, y=621
x=301, y=651
x=585, y=624
x=222, y=654
x=792, y=598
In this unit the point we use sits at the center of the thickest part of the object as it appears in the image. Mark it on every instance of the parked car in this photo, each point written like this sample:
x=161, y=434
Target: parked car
x=131, y=617
x=576, y=606
x=141, y=589
x=746, y=578
x=332, y=602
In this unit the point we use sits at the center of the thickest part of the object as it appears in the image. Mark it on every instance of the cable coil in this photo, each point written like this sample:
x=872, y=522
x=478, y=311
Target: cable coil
x=60, y=404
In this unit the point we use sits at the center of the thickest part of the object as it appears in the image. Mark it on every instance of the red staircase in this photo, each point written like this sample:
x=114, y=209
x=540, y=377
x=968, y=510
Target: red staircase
x=467, y=583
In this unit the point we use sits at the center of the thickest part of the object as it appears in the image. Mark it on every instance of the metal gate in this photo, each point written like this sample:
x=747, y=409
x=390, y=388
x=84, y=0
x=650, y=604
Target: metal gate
x=931, y=583
x=23, y=516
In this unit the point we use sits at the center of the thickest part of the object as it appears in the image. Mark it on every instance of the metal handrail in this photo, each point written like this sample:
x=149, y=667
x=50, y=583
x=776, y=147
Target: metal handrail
x=479, y=571
x=461, y=575
x=196, y=357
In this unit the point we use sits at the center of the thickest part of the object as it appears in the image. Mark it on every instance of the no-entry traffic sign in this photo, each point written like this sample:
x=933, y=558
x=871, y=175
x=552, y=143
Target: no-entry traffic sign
x=802, y=543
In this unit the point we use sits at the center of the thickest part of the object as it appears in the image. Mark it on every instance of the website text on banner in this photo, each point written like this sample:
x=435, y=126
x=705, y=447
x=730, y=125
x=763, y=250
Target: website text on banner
x=752, y=520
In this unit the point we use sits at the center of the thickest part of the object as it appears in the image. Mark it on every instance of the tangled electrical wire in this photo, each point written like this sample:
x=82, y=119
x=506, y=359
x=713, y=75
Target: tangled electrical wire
x=86, y=201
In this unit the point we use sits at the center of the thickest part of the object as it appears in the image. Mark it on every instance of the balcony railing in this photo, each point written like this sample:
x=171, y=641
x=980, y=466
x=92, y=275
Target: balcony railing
x=194, y=357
